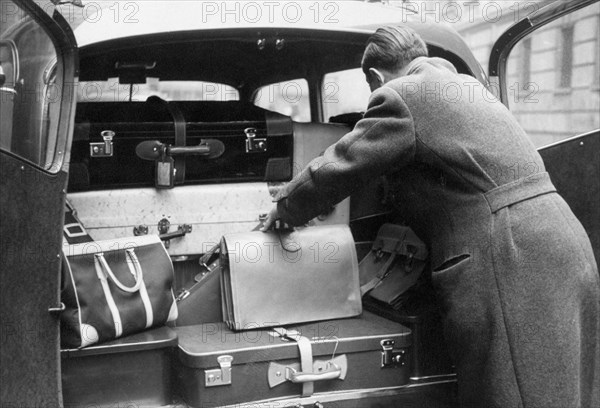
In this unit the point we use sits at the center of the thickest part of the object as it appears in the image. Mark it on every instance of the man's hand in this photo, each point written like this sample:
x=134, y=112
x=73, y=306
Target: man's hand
x=272, y=217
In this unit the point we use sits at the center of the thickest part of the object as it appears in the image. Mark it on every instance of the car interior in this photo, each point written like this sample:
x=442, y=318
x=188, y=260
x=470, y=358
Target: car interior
x=254, y=150
x=188, y=135
x=246, y=61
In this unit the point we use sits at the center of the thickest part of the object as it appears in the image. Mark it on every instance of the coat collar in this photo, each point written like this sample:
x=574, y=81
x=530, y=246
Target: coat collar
x=415, y=64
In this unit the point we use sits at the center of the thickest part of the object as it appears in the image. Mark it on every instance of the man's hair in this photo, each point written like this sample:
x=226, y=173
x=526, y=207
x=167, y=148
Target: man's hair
x=391, y=48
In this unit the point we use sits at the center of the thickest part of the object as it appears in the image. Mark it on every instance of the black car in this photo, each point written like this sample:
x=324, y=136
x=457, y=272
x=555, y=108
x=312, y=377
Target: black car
x=182, y=120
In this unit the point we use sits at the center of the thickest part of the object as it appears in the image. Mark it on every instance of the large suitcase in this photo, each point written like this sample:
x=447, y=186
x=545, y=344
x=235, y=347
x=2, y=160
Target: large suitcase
x=218, y=367
x=221, y=196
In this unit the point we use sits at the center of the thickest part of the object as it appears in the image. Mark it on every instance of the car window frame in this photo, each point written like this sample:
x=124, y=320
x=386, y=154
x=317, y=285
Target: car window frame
x=504, y=45
x=59, y=32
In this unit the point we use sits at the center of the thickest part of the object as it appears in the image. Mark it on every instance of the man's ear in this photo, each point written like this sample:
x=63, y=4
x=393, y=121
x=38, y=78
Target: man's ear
x=377, y=75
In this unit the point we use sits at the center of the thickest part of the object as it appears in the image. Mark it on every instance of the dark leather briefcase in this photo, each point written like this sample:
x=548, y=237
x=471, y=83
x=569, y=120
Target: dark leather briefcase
x=218, y=367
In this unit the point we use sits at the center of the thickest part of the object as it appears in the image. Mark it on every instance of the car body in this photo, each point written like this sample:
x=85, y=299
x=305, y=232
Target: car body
x=61, y=99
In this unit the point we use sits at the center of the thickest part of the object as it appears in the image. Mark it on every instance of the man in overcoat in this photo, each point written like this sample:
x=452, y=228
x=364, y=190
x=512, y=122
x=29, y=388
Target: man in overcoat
x=513, y=267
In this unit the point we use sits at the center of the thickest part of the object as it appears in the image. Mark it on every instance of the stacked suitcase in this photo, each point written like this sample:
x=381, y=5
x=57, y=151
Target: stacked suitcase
x=217, y=367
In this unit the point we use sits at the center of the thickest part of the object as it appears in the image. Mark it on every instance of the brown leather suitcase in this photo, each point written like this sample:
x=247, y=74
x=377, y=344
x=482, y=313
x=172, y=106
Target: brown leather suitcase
x=218, y=367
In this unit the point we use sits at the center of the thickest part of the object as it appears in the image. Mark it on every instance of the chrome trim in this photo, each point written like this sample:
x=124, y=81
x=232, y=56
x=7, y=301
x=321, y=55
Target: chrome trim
x=365, y=217
x=49, y=71
x=337, y=396
x=570, y=139
x=113, y=348
x=8, y=90
x=57, y=310
x=15, y=58
x=556, y=10
x=431, y=377
x=270, y=346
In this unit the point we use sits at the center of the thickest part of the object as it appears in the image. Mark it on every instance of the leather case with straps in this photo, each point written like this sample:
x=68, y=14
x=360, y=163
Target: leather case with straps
x=394, y=264
x=287, y=277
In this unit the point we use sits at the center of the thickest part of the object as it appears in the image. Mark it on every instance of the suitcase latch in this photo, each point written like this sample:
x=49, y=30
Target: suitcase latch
x=105, y=148
x=254, y=144
x=391, y=357
x=219, y=376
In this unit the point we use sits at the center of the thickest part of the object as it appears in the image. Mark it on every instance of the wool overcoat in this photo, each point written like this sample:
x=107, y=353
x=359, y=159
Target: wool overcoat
x=513, y=267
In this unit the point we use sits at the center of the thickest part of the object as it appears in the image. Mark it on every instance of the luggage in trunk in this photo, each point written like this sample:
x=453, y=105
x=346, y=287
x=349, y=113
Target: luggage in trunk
x=429, y=357
x=131, y=123
x=217, y=367
x=130, y=371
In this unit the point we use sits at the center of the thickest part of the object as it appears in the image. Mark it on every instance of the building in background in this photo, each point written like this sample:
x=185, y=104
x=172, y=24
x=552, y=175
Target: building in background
x=553, y=75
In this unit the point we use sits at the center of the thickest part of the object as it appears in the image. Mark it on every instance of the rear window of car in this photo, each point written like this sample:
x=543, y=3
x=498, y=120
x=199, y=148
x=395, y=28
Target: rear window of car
x=289, y=98
x=344, y=92
x=113, y=91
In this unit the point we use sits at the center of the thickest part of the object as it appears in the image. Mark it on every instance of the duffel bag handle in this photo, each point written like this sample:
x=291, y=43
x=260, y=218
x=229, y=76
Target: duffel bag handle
x=136, y=267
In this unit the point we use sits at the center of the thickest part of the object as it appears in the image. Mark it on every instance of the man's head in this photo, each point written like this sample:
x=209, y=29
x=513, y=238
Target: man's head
x=388, y=52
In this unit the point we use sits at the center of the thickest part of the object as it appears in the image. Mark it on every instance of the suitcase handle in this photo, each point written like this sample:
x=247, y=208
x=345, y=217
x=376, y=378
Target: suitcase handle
x=323, y=370
x=299, y=377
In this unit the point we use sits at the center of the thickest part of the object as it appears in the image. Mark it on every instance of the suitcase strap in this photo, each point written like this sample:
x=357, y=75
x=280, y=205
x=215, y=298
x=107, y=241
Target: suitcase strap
x=381, y=275
x=393, y=241
x=180, y=126
x=306, y=364
x=306, y=357
x=73, y=231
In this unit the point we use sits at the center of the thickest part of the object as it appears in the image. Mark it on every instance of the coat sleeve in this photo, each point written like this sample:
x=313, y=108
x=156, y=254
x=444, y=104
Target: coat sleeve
x=383, y=140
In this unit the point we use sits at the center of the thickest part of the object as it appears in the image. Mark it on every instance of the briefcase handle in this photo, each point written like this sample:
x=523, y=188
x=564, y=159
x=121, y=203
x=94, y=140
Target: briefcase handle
x=280, y=228
x=134, y=267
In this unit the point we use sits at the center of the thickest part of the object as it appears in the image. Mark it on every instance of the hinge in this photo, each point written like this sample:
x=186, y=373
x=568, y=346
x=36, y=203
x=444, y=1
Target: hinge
x=140, y=230
x=219, y=376
x=391, y=357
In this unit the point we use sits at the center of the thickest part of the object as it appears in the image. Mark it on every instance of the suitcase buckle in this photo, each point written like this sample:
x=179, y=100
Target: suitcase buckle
x=182, y=295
